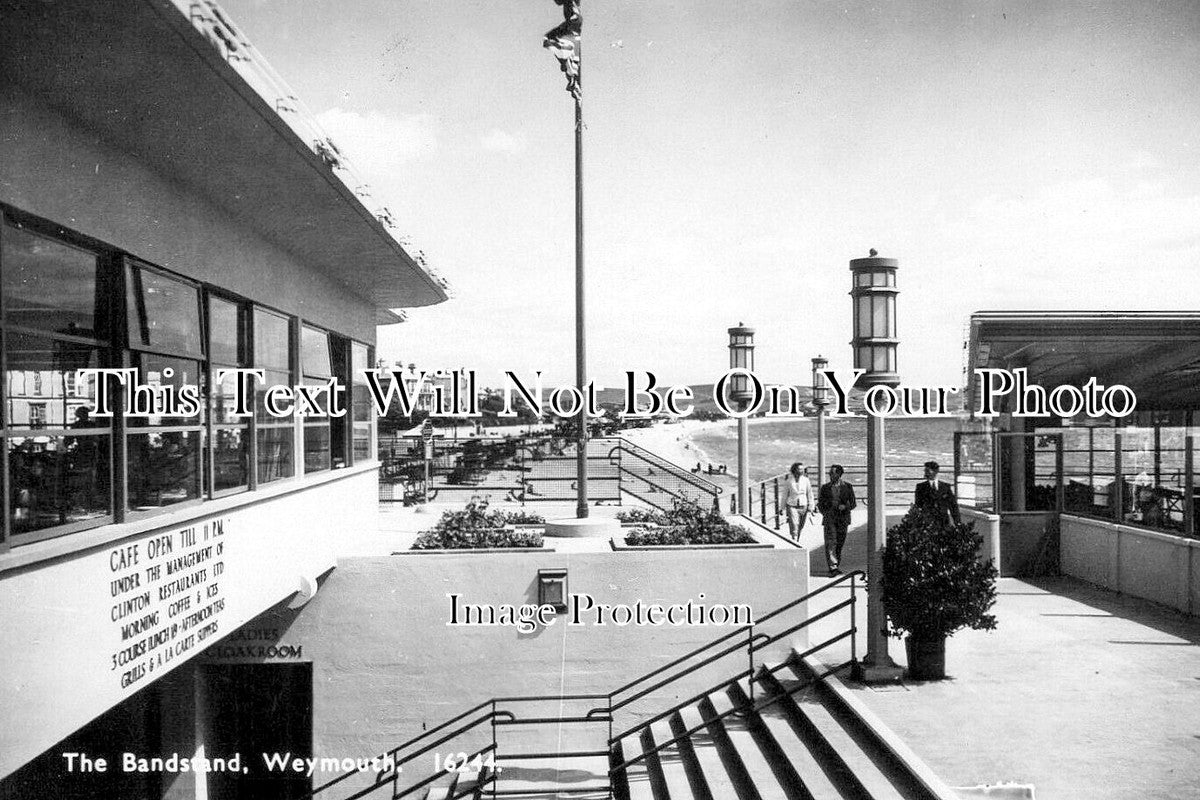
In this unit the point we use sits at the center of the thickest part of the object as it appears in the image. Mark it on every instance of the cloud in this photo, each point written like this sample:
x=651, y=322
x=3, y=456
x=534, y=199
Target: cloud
x=498, y=141
x=379, y=144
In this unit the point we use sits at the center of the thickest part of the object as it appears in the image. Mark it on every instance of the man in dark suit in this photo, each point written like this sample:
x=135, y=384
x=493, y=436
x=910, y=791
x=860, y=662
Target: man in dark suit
x=834, y=501
x=936, y=496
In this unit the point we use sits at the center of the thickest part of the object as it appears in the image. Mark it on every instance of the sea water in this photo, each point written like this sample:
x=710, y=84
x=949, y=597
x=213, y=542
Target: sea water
x=776, y=444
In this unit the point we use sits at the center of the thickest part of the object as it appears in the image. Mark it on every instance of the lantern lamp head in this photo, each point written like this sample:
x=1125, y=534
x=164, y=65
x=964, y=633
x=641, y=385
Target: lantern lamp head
x=741, y=356
x=873, y=290
x=820, y=386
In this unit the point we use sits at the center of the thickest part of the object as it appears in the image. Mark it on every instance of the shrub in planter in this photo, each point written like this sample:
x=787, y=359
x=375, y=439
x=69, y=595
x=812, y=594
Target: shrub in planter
x=523, y=518
x=478, y=539
x=475, y=527
x=687, y=523
x=679, y=535
x=933, y=586
x=638, y=515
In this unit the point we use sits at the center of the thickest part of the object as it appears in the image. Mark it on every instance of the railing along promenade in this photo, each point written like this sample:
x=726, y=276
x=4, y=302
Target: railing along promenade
x=765, y=502
x=537, y=468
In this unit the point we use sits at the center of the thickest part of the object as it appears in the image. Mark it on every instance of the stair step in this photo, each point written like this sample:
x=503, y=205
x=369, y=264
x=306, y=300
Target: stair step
x=442, y=788
x=583, y=776
x=813, y=776
x=744, y=755
x=670, y=759
x=819, y=721
x=468, y=784
x=658, y=777
x=708, y=760
x=637, y=778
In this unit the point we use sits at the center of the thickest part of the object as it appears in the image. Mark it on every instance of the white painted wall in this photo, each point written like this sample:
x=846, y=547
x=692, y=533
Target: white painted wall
x=56, y=617
x=1148, y=564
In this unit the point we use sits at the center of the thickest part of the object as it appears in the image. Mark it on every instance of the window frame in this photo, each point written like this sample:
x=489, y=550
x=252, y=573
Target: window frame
x=108, y=283
x=245, y=356
x=131, y=352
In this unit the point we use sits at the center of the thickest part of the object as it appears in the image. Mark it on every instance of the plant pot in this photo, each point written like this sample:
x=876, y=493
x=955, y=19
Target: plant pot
x=926, y=658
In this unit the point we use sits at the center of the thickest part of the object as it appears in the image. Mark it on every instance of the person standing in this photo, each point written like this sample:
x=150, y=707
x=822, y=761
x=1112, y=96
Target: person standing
x=835, y=501
x=797, y=499
x=936, y=497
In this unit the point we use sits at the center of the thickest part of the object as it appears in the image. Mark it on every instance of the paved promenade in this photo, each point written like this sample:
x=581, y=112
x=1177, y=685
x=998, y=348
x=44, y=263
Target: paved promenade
x=1081, y=693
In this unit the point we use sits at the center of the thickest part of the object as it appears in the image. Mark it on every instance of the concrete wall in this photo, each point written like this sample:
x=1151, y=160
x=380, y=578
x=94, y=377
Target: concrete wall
x=1155, y=566
x=86, y=631
x=57, y=171
x=386, y=665
x=987, y=525
x=1022, y=538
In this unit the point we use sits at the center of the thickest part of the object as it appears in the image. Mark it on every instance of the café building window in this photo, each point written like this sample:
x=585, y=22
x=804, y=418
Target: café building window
x=317, y=363
x=57, y=467
x=275, y=437
x=361, y=407
x=164, y=444
x=228, y=453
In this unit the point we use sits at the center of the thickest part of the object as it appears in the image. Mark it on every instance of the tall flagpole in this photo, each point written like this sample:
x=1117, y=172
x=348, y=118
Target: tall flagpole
x=581, y=508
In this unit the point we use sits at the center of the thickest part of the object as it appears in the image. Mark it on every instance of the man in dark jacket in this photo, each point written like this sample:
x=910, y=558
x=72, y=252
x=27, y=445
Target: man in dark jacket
x=834, y=501
x=936, y=496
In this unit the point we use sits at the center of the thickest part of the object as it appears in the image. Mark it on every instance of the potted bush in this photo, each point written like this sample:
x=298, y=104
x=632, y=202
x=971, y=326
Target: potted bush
x=933, y=586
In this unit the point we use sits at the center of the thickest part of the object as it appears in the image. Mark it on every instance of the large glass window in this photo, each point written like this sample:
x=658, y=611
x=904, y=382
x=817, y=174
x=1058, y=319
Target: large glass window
x=276, y=436
x=229, y=454
x=58, y=458
x=164, y=429
x=318, y=369
x=360, y=403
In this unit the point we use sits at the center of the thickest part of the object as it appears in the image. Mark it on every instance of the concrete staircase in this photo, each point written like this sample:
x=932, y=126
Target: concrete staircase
x=813, y=743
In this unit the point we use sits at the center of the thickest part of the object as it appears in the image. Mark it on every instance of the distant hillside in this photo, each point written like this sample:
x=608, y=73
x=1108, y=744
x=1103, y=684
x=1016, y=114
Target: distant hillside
x=704, y=405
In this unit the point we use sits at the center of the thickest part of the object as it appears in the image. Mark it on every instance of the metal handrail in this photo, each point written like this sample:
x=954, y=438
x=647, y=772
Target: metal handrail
x=498, y=717
x=657, y=460
x=755, y=706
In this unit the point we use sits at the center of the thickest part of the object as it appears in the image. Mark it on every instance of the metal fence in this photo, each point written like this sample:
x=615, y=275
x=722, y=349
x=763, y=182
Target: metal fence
x=534, y=468
x=765, y=501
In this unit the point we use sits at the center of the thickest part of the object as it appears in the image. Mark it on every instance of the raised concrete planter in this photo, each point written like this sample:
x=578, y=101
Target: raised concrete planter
x=603, y=527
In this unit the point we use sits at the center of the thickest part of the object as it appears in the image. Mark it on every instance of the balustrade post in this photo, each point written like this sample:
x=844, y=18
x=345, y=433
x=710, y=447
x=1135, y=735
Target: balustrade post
x=762, y=504
x=750, y=653
x=776, y=482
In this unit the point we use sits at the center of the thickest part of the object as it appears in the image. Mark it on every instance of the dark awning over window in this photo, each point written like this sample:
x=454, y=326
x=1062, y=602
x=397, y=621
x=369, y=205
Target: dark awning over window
x=1154, y=353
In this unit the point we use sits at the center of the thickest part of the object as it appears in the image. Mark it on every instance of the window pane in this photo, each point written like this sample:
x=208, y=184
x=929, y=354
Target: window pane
x=58, y=480
x=161, y=377
x=169, y=315
x=360, y=402
x=223, y=332
x=316, y=444
x=164, y=468
x=275, y=453
x=879, y=361
x=272, y=343
x=48, y=285
x=314, y=353
x=864, y=317
x=231, y=458
x=879, y=316
x=223, y=399
x=41, y=373
x=272, y=378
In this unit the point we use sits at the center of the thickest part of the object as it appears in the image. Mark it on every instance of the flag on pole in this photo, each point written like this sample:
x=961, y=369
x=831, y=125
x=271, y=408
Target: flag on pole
x=563, y=42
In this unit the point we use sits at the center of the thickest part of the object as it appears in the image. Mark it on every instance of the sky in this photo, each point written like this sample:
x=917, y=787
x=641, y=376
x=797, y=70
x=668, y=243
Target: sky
x=1011, y=155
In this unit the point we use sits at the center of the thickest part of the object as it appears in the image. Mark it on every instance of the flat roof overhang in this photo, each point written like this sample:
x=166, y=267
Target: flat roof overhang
x=1154, y=353
x=140, y=76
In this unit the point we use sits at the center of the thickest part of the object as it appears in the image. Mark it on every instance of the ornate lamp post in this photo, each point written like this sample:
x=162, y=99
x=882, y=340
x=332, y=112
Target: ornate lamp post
x=873, y=290
x=820, y=399
x=741, y=356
